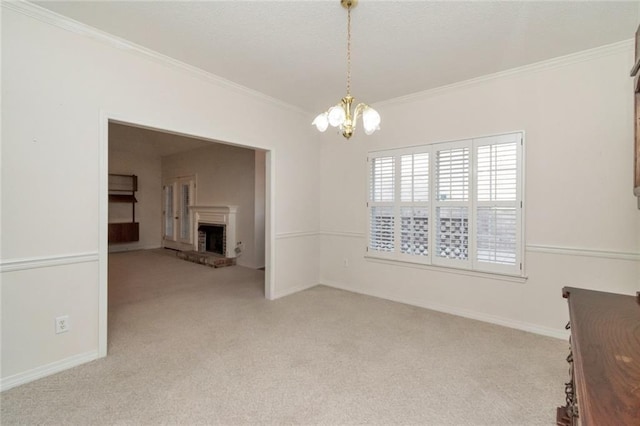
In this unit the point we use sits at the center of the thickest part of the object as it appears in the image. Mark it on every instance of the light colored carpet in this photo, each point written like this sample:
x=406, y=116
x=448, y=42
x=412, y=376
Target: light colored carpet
x=189, y=344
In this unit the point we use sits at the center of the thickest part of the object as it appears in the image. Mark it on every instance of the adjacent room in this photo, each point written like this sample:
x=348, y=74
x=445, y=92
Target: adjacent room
x=320, y=212
x=172, y=189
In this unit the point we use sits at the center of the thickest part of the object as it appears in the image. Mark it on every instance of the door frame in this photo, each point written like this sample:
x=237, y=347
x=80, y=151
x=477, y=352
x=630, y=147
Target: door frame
x=103, y=246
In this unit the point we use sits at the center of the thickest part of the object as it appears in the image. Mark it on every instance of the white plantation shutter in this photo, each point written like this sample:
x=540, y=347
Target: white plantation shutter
x=414, y=205
x=496, y=232
x=414, y=234
x=497, y=168
x=498, y=210
x=452, y=174
x=415, y=177
x=455, y=204
x=382, y=188
x=383, y=179
x=452, y=233
x=381, y=234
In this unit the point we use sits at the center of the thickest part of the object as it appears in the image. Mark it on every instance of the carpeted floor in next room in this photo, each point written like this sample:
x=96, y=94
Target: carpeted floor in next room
x=189, y=344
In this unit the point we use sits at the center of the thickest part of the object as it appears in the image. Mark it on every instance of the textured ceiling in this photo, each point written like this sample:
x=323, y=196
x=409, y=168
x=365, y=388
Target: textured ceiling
x=295, y=51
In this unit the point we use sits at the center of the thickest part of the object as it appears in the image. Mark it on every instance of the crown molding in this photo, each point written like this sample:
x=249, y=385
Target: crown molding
x=549, y=64
x=44, y=15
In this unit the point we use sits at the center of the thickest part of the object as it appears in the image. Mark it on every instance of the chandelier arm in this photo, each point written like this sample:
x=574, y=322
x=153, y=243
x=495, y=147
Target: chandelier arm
x=359, y=108
x=357, y=112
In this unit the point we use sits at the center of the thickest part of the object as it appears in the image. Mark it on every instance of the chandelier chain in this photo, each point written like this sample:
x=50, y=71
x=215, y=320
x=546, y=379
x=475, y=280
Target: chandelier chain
x=349, y=50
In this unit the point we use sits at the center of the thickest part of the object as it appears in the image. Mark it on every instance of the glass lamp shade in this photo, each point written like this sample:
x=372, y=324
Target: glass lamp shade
x=337, y=116
x=321, y=122
x=370, y=120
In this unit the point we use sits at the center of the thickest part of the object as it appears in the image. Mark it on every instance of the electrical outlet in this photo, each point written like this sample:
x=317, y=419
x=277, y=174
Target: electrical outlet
x=62, y=324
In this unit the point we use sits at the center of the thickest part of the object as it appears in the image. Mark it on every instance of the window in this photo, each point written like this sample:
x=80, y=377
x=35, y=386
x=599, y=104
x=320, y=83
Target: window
x=178, y=200
x=454, y=204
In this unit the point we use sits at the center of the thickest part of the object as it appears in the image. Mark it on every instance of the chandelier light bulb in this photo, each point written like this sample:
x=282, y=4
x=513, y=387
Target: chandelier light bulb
x=370, y=120
x=337, y=116
x=321, y=122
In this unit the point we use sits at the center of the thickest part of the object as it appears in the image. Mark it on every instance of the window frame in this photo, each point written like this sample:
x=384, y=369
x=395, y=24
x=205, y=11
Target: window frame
x=472, y=203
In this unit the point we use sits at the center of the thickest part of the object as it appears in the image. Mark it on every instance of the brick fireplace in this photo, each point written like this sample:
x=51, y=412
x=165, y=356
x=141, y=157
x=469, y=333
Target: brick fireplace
x=215, y=229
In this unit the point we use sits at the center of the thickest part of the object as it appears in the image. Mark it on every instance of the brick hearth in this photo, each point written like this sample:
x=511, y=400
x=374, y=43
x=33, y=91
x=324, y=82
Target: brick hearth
x=206, y=258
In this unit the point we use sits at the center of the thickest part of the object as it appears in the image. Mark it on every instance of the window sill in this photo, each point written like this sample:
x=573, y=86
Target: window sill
x=437, y=268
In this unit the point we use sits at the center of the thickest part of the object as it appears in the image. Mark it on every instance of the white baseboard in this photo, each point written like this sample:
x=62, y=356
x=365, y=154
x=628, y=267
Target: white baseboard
x=292, y=290
x=480, y=316
x=249, y=265
x=7, y=383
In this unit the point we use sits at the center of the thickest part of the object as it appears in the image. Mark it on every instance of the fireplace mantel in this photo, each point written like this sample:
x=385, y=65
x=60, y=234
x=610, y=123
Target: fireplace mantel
x=217, y=215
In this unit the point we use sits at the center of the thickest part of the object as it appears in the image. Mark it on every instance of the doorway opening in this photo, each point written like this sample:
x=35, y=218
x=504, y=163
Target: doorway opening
x=180, y=176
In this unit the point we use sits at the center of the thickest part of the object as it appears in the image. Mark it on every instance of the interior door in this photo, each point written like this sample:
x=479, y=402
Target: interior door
x=178, y=196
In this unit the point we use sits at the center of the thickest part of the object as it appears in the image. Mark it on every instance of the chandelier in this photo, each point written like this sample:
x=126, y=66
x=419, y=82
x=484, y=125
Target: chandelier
x=341, y=115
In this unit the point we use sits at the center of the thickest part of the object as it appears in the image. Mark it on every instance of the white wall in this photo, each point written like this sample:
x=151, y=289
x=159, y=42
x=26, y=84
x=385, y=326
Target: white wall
x=260, y=205
x=57, y=85
x=129, y=155
x=582, y=222
x=225, y=176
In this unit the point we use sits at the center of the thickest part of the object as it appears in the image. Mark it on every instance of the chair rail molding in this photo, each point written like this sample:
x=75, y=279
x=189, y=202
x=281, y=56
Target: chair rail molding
x=584, y=252
x=21, y=264
x=299, y=234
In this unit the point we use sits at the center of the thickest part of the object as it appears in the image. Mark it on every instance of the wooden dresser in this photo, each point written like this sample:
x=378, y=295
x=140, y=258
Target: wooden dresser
x=604, y=384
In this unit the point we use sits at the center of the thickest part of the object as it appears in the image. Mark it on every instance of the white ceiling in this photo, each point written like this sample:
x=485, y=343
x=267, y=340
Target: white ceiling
x=295, y=51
